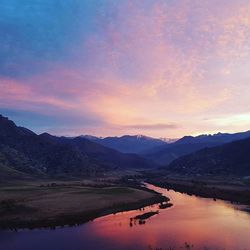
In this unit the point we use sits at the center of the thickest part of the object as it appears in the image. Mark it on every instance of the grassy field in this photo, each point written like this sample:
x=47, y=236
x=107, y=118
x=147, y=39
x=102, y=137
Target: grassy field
x=50, y=204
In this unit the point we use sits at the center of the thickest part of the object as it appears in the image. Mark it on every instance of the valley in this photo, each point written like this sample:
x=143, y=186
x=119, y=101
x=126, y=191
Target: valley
x=124, y=125
x=50, y=181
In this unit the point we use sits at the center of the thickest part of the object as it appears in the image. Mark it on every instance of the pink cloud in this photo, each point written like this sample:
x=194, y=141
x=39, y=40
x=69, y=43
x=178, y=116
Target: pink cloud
x=151, y=65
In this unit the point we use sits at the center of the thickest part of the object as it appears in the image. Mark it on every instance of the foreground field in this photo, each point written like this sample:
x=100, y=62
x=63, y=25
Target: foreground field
x=53, y=204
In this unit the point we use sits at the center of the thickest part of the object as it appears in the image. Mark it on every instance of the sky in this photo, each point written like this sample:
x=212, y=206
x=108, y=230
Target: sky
x=163, y=68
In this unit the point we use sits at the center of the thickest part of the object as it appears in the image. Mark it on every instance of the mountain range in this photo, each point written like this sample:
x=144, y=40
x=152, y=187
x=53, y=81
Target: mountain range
x=167, y=153
x=22, y=152
x=228, y=159
x=128, y=143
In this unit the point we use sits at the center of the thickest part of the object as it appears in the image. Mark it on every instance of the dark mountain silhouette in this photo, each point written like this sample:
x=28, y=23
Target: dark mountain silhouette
x=228, y=159
x=101, y=155
x=188, y=144
x=166, y=154
x=23, y=151
x=128, y=143
x=216, y=138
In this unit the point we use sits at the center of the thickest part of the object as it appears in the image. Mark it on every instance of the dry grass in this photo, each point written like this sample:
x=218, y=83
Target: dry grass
x=34, y=202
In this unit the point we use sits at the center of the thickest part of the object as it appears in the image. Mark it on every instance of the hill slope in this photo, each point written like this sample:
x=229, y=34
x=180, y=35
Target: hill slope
x=228, y=159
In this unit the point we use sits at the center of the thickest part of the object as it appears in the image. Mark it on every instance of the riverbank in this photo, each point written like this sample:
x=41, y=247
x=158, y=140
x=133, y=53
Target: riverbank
x=233, y=190
x=36, y=205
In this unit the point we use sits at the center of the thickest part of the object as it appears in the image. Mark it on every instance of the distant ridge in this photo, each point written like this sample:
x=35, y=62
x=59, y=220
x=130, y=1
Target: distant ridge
x=165, y=154
x=214, y=138
x=128, y=143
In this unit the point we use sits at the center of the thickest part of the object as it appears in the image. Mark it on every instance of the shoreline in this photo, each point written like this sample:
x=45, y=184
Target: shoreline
x=76, y=219
x=206, y=189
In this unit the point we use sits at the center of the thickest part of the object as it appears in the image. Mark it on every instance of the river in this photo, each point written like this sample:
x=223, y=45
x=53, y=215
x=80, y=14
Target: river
x=192, y=223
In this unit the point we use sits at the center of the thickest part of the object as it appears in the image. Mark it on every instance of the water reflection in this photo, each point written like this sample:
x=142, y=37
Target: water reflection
x=199, y=222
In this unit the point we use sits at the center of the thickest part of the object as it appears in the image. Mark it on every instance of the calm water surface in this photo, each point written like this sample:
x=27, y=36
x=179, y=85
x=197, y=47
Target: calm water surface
x=197, y=221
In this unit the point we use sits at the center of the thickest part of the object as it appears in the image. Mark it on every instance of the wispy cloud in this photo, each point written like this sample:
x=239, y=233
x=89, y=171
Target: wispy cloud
x=157, y=126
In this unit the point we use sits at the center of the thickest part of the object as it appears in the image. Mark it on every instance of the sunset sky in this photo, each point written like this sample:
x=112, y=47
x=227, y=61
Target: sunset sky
x=163, y=68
